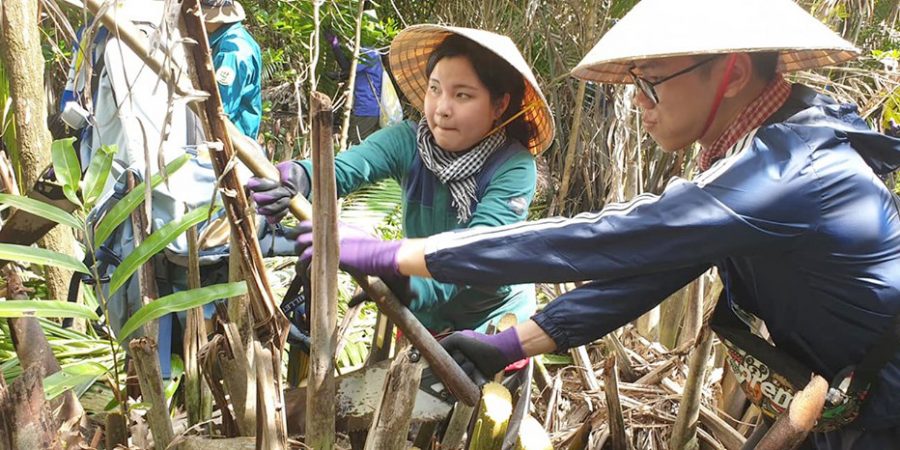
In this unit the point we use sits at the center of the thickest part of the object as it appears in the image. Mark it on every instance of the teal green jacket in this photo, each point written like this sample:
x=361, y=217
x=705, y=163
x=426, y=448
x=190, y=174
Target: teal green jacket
x=505, y=190
x=238, y=64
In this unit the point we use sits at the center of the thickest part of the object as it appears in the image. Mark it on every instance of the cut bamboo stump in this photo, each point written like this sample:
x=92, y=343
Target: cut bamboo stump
x=146, y=363
x=26, y=415
x=320, y=407
x=613, y=405
x=532, y=436
x=116, y=430
x=493, y=418
x=792, y=427
x=390, y=424
x=585, y=368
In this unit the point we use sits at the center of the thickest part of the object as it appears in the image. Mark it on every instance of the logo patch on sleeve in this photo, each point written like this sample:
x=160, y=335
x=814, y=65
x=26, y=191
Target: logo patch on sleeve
x=225, y=76
x=518, y=205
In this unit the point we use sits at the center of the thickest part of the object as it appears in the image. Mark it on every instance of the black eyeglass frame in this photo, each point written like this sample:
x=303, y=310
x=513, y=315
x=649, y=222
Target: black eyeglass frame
x=648, y=88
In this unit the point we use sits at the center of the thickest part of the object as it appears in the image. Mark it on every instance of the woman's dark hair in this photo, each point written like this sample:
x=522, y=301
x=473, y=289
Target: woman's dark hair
x=495, y=73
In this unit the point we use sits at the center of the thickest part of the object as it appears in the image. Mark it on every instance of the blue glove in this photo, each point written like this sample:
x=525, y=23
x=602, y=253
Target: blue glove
x=272, y=198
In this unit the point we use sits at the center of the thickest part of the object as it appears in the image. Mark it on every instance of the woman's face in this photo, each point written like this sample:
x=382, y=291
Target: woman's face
x=458, y=106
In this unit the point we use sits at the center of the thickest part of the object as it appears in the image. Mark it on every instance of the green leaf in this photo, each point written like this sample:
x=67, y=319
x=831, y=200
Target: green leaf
x=118, y=213
x=82, y=374
x=45, y=308
x=154, y=244
x=550, y=359
x=39, y=208
x=66, y=167
x=22, y=253
x=180, y=301
x=97, y=173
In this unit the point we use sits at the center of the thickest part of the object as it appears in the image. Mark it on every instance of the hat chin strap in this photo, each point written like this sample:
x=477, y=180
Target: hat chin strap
x=720, y=93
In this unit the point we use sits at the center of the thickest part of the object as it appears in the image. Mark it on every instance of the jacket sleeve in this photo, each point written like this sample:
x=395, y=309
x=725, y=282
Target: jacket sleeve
x=592, y=311
x=685, y=226
x=505, y=201
x=384, y=154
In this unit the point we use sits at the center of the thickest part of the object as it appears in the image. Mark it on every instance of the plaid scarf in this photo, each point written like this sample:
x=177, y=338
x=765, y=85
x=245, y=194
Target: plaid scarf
x=772, y=97
x=456, y=169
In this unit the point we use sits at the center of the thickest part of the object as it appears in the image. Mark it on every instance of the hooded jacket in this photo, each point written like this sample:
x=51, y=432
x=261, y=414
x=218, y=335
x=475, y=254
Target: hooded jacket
x=802, y=229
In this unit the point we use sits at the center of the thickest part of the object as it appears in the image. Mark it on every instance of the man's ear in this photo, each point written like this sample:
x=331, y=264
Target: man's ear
x=500, y=106
x=741, y=75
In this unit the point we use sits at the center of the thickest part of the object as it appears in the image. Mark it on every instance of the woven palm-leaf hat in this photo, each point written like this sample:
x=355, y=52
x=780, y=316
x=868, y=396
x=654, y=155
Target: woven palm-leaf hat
x=411, y=48
x=665, y=28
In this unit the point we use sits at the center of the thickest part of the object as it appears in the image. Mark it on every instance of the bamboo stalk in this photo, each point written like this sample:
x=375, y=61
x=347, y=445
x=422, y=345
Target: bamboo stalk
x=585, y=368
x=613, y=406
x=194, y=339
x=693, y=316
x=116, y=430
x=239, y=377
x=320, y=418
x=456, y=428
x=390, y=424
x=146, y=363
x=622, y=356
x=25, y=414
x=351, y=82
x=532, y=436
x=571, y=149
x=792, y=427
x=269, y=433
x=684, y=432
x=146, y=276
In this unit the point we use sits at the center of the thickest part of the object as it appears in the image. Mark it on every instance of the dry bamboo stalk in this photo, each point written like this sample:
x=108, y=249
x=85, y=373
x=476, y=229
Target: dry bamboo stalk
x=730, y=438
x=733, y=400
x=792, y=427
x=390, y=424
x=673, y=309
x=658, y=373
x=320, y=407
x=194, y=339
x=146, y=363
x=146, y=276
x=613, y=407
x=571, y=150
x=585, y=368
x=456, y=429
x=351, y=82
x=239, y=377
x=622, y=355
x=542, y=378
x=382, y=339
x=693, y=316
x=684, y=432
x=549, y=423
x=269, y=433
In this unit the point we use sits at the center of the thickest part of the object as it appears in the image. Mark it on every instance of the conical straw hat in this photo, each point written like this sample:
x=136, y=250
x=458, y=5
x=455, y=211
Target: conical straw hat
x=663, y=28
x=409, y=56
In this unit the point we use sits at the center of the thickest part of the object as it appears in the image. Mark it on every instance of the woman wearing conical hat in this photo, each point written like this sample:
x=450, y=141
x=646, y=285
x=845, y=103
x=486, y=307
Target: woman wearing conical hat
x=467, y=163
x=789, y=207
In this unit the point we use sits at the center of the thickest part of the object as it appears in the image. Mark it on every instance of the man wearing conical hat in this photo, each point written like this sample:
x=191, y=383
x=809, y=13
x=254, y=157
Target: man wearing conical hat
x=789, y=207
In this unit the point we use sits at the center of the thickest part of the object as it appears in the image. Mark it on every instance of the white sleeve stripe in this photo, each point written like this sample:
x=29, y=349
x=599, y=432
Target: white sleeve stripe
x=721, y=166
x=450, y=240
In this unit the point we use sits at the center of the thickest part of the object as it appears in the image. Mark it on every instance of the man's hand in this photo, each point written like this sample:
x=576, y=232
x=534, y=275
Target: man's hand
x=481, y=355
x=272, y=198
x=361, y=253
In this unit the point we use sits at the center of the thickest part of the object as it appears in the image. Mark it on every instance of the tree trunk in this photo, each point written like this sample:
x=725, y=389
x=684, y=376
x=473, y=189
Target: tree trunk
x=21, y=51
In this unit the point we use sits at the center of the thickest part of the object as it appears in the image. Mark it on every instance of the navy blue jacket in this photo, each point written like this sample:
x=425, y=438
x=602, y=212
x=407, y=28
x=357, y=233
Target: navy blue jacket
x=795, y=217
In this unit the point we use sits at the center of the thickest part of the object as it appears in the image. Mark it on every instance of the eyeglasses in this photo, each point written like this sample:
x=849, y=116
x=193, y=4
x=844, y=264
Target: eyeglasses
x=648, y=87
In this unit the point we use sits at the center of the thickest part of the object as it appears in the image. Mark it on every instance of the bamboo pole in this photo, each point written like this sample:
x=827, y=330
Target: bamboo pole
x=585, y=368
x=684, y=432
x=456, y=428
x=492, y=419
x=269, y=433
x=613, y=405
x=146, y=276
x=116, y=430
x=440, y=362
x=792, y=427
x=390, y=424
x=320, y=407
x=146, y=363
x=351, y=82
x=26, y=415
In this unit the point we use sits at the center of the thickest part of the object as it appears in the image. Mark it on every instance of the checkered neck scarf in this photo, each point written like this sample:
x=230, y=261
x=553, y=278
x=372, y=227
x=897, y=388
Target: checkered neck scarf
x=772, y=97
x=457, y=170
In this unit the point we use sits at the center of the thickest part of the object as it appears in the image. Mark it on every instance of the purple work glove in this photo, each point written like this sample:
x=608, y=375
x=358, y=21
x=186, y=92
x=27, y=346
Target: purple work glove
x=361, y=253
x=482, y=355
x=272, y=198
